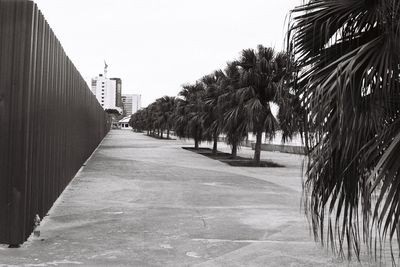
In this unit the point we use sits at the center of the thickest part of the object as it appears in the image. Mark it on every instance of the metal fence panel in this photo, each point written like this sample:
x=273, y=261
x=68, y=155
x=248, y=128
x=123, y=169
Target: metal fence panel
x=50, y=122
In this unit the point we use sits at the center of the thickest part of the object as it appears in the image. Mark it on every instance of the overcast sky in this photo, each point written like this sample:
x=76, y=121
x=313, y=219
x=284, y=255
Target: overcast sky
x=155, y=46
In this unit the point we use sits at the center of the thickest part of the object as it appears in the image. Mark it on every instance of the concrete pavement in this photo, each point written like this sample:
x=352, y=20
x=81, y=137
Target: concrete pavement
x=140, y=201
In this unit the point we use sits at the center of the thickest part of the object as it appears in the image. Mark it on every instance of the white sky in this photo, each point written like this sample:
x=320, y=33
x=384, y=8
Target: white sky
x=155, y=46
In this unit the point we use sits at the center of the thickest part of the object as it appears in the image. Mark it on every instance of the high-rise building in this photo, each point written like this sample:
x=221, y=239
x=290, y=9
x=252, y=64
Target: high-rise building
x=108, y=92
x=132, y=103
x=118, y=92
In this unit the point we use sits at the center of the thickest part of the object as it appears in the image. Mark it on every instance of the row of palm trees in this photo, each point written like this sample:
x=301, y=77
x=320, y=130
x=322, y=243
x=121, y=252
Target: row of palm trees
x=157, y=118
x=233, y=102
x=343, y=63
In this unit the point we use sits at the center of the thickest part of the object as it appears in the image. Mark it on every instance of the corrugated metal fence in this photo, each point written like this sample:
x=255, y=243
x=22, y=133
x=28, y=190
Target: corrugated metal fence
x=50, y=122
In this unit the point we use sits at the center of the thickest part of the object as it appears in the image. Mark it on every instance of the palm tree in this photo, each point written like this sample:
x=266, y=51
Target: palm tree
x=233, y=121
x=188, y=117
x=169, y=105
x=291, y=114
x=212, y=115
x=151, y=119
x=137, y=121
x=350, y=55
x=164, y=111
x=262, y=72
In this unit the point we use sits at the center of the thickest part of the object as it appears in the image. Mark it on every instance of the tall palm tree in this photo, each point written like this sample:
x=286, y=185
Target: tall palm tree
x=189, y=113
x=262, y=72
x=181, y=120
x=151, y=119
x=350, y=54
x=165, y=108
x=234, y=123
x=169, y=105
x=158, y=116
x=212, y=115
x=291, y=114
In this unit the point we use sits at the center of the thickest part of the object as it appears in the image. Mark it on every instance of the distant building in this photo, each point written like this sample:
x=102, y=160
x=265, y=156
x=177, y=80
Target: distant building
x=118, y=92
x=124, y=123
x=108, y=91
x=132, y=103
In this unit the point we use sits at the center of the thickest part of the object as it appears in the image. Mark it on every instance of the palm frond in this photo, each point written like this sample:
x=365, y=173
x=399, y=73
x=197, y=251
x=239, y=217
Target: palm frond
x=349, y=91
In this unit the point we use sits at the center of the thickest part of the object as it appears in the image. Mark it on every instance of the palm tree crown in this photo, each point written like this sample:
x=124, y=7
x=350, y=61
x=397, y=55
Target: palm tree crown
x=262, y=72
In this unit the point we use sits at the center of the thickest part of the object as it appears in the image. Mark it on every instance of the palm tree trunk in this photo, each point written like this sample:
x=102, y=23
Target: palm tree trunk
x=197, y=138
x=162, y=132
x=234, y=150
x=215, y=145
x=257, y=149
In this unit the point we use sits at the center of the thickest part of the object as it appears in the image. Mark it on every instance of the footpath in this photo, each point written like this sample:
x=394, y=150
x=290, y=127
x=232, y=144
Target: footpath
x=141, y=201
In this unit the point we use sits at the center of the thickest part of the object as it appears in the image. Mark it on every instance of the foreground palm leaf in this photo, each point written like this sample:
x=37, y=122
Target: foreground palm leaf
x=350, y=54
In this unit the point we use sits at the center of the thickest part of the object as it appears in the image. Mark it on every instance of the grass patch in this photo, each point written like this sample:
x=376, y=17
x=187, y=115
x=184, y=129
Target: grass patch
x=233, y=161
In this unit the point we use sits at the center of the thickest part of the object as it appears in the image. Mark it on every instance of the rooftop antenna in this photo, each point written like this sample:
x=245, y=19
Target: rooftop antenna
x=105, y=69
